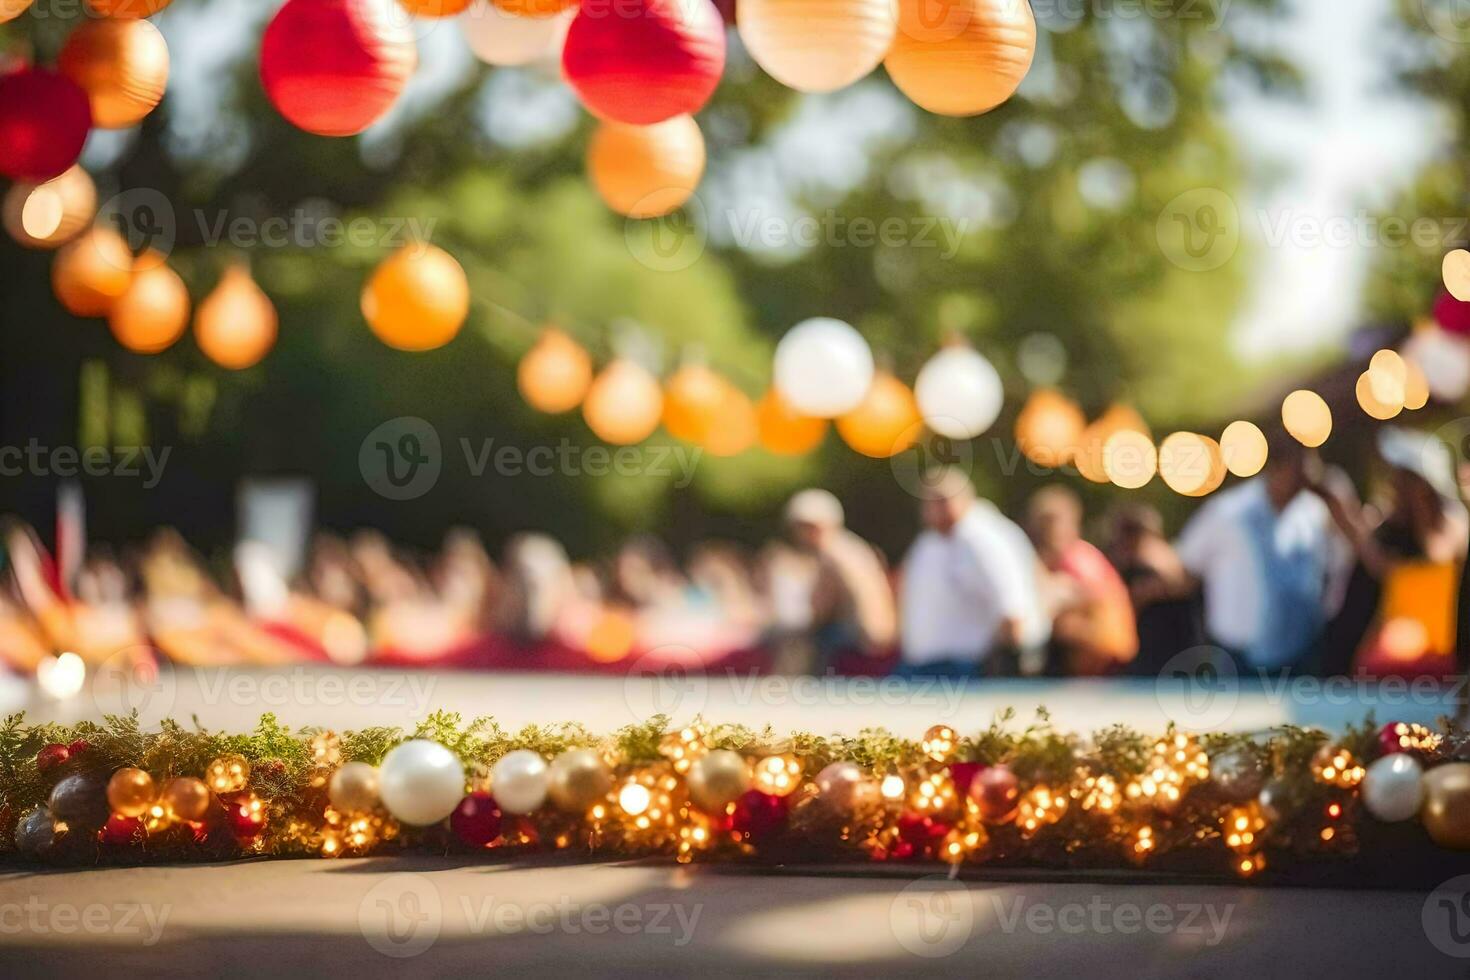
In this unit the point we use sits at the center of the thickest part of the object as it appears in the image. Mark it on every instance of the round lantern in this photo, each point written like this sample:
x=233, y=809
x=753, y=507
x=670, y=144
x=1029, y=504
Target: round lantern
x=154, y=312
x=1443, y=359
x=51, y=214
x=1049, y=428
x=11, y=9
x=624, y=404
x=554, y=375
x=236, y=324
x=959, y=393
x=126, y=9
x=961, y=57
x=823, y=367
x=500, y=38
x=783, y=430
x=44, y=120
x=334, y=67
x=734, y=428
x=646, y=171
x=434, y=8
x=1091, y=456
x=1191, y=464
x=1307, y=417
x=417, y=299
x=886, y=423
x=91, y=273
x=693, y=398
x=1243, y=446
x=122, y=65
x=535, y=8
x=644, y=61
x=817, y=45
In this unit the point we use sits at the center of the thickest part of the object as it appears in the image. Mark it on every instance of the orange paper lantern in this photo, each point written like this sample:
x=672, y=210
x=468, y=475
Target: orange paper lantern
x=91, y=273
x=734, y=429
x=126, y=9
x=11, y=9
x=554, y=375
x=646, y=171
x=1191, y=464
x=1049, y=428
x=417, y=299
x=51, y=214
x=535, y=8
x=121, y=64
x=961, y=57
x=236, y=324
x=154, y=312
x=886, y=422
x=784, y=431
x=434, y=8
x=1090, y=456
x=624, y=404
x=693, y=398
x=817, y=45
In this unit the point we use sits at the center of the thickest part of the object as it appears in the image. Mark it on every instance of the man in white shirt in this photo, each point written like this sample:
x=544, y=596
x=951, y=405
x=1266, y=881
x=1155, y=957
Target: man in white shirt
x=971, y=593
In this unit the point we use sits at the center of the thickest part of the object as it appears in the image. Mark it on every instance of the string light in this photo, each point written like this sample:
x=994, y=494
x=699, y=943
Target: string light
x=778, y=775
x=1336, y=766
x=939, y=743
x=227, y=774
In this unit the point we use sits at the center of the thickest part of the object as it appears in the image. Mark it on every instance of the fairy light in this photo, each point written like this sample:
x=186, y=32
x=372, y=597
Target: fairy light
x=777, y=775
x=227, y=774
x=1413, y=737
x=893, y=787
x=939, y=743
x=935, y=795
x=1039, y=808
x=1175, y=764
x=634, y=798
x=685, y=746
x=1097, y=792
x=1336, y=766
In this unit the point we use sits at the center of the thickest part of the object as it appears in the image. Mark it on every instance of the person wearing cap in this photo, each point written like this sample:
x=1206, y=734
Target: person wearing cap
x=1400, y=602
x=852, y=609
x=971, y=595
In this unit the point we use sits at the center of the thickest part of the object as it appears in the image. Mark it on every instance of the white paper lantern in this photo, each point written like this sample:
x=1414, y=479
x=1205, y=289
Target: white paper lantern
x=959, y=393
x=499, y=38
x=1444, y=359
x=817, y=45
x=420, y=782
x=823, y=368
x=519, y=781
x=1393, y=787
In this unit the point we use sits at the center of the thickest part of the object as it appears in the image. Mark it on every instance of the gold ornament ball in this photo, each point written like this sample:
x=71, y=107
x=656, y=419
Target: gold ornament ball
x=717, y=779
x=354, y=788
x=130, y=792
x=939, y=743
x=1446, y=812
x=227, y=774
x=843, y=787
x=185, y=798
x=579, y=780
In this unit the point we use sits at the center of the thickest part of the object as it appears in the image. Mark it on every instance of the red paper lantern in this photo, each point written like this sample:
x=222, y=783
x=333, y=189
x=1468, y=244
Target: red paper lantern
x=44, y=120
x=645, y=61
x=333, y=67
x=1452, y=315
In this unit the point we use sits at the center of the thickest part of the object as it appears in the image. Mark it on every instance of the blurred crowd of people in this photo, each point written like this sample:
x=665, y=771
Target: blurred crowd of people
x=1288, y=571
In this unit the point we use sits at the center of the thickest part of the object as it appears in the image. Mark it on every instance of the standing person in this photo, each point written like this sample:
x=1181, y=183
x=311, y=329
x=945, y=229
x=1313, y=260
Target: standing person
x=1169, y=619
x=851, y=601
x=1264, y=552
x=971, y=598
x=1093, y=630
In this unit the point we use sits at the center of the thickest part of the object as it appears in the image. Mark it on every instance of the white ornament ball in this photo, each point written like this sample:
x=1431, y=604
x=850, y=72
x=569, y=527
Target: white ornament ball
x=519, y=781
x=717, y=779
x=421, y=782
x=499, y=38
x=354, y=788
x=823, y=368
x=1393, y=787
x=959, y=393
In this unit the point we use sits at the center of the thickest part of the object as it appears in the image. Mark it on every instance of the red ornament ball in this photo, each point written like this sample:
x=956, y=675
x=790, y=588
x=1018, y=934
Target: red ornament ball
x=44, y=120
x=245, y=816
x=120, y=831
x=996, y=793
x=334, y=67
x=963, y=774
x=51, y=756
x=758, y=816
x=644, y=61
x=1452, y=315
x=79, y=746
x=919, y=835
x=476, y=821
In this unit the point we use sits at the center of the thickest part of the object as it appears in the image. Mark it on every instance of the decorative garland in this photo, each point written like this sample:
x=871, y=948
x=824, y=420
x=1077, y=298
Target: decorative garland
x=1005, y=796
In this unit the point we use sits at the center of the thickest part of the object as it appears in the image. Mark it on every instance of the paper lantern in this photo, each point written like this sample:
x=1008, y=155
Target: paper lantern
x=693, y=397
x=499, y=38
x=644, y=61
x=11, y=9
x=1091, y=455
x=734, y=428
x=535, y=8
x=1416, y=386
x=1307, y=417
x=1191, y=464
x=50, y=214
x=1130, y=459
x=817, y=45
x=1049, y=428
x=417, y=299
x=886, y=422
x=126, y=9
x=1452, y=314
x=1443, y=359
x=959, y=393
x=646, y=171
x=961, y=57
x=1243, y=446
x=44, y=120
x=236, y=325
x=122, y=65
x=334, y=67
x=624, y=404
x=1455, y=271
x=823, y=367
x=154, y=312
x=1370, y=402
x=434, y=8
x=783, y=430
x=554, y=375
x=91, y=273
